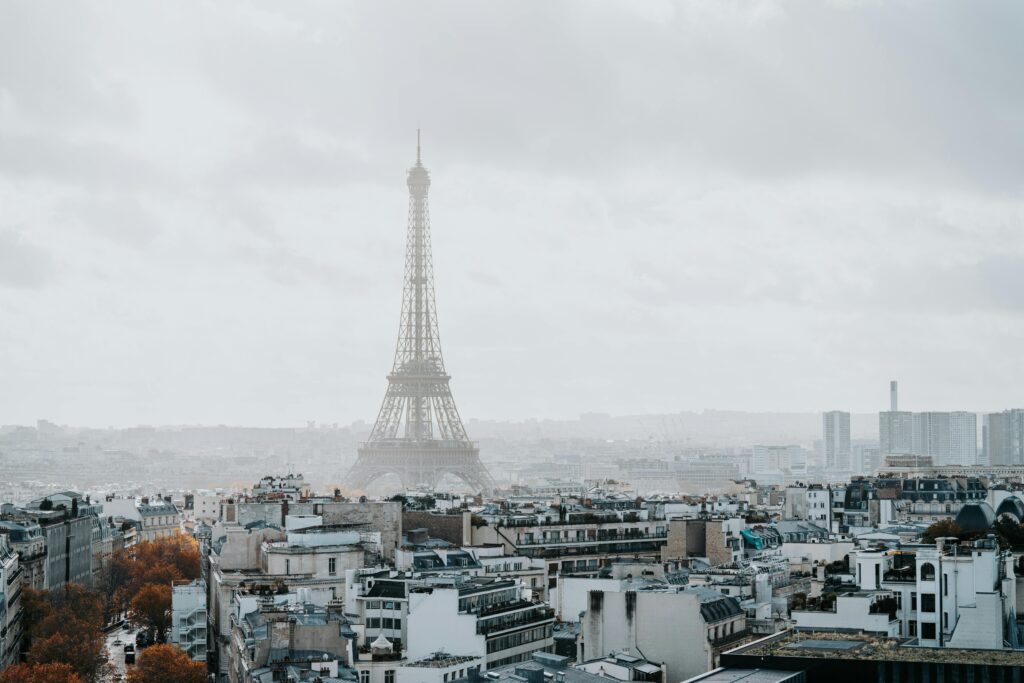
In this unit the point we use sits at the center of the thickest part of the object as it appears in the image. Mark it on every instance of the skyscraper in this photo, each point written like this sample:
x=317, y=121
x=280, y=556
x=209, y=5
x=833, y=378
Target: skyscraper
x=895, y=427
x=1003, y=438
x=836, y=436
x=949, y=438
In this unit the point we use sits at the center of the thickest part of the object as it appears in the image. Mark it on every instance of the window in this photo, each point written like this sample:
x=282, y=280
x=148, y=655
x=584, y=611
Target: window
x=927, y=571
x=927, y=602
x=927, y=631
x=364, y=677
x=913, y=601
x=389, y=605
x=945, y=584
x=373, y=604
x=287, y=566
x=332, y=566
x=389, y=676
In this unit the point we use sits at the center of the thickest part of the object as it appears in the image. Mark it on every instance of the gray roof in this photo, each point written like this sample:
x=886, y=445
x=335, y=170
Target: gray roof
x=975, y=517
x=715, y=606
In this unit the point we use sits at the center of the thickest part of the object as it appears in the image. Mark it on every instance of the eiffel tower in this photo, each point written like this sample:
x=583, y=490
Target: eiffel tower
x=418, y=434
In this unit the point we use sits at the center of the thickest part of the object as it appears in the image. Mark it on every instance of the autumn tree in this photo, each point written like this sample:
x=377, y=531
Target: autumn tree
x=151, y=608
x=83, y=604
x=66, y=627
x=35, y=607
x=113, y=576
x=944, y=528
x=179, y=551
x=39, y=673
x=82, y=652
x=1009, y=532
x=166, y=664
x=160, y=561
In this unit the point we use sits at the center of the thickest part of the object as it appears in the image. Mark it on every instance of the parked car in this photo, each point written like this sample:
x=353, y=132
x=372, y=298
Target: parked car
x=129, y=653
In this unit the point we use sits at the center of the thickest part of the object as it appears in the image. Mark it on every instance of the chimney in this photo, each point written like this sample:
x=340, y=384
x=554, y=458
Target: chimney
x=893, y=398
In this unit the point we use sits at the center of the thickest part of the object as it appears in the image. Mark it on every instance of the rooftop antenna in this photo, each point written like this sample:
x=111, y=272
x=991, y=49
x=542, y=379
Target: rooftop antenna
x=418, y=146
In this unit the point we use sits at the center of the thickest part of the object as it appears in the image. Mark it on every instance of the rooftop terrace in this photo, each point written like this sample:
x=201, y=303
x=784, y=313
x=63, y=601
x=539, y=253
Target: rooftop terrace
x=831, y=645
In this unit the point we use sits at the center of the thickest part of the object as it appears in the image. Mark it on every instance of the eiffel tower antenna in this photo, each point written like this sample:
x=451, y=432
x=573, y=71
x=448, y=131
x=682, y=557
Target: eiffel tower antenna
x=419, y=434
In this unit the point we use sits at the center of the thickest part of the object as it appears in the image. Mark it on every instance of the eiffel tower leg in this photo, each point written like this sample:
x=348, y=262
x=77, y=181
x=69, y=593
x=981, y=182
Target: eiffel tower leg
x=362, y=474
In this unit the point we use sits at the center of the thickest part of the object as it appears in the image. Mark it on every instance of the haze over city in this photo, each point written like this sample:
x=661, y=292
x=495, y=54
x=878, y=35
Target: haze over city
x=636, y=207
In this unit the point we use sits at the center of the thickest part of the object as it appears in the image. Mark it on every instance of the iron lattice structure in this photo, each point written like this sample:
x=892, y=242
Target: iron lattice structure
x=418, y=434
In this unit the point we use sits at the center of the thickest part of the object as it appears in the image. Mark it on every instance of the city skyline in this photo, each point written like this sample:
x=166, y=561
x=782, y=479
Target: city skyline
x=684, y=258
x=684, y=226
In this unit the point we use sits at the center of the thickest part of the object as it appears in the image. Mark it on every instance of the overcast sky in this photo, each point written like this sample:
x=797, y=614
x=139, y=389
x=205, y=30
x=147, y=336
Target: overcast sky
x=637, y=207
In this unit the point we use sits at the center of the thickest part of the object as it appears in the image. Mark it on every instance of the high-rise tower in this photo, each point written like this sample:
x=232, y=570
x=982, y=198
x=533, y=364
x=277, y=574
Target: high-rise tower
x=836, y=435
x=418, y=434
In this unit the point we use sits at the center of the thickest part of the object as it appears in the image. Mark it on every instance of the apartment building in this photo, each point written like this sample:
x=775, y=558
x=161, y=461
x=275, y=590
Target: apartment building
x=950, y=594
x=189, y=618
x=574, y=539
x=303, y=556
x=684, y=628
x=11, y=623
x=487, y=618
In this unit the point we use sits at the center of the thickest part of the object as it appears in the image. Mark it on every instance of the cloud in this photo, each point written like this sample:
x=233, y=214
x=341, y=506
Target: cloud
x=22, y=264
x=123, y=220
x=90, y=165
x=659, y=207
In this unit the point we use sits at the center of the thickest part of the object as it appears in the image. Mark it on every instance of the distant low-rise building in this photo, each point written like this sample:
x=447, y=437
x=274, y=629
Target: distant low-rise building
x=159, y=518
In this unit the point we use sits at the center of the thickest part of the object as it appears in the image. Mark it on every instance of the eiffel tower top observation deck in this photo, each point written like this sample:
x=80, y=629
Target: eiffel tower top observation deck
x=419, y=434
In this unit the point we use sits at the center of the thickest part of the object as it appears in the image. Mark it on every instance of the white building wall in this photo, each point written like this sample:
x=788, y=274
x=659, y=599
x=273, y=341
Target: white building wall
x=569, y=597
x=852, y=612
x=817, y=552
x=434, y=624
x=206, y=507
x=313, y=561
x=421, y=674
x=664, y=627
x=977, y=626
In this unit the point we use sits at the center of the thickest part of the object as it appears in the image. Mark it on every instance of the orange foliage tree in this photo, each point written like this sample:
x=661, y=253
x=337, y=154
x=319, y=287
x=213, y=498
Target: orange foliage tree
x=179, y=551
x=67, y=628
x=39, y=673
x=166, y=664
x=150, y=569
x=151, y=607
x=113, y=576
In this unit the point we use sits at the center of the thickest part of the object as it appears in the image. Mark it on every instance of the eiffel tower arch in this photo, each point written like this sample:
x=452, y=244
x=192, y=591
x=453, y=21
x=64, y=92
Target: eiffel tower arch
x=419, y=434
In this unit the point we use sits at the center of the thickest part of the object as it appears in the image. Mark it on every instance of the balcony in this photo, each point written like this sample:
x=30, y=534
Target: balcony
x=576, y=519
x=730, y=638
x=15, y=574
x=599, y=538
x=532, y=615
x=904, y=575
x=590, y=550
